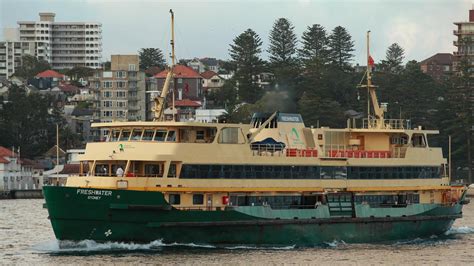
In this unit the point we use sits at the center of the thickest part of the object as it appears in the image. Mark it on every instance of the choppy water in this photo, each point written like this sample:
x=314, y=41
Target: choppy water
x=26, y=237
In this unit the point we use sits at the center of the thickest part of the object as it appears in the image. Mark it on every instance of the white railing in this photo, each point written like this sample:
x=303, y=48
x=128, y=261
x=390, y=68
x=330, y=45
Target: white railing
x=387, y=123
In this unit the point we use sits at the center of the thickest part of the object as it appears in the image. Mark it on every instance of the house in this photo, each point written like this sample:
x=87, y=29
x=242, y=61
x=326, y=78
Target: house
x=80, y=121
x=209, y=115
x=17, y=173
x=187, y=82
x=185, y=110
x=211, y=64
x=211, y=81
x=196, y=65
x=438, y=66
x=48, y=159
x=47, y=79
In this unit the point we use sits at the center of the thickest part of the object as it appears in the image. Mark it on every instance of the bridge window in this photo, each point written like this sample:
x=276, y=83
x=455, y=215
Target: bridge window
x=148, y=134
x=114, y=136
x=160, y=135
x=418, y=140
x=136, y=134
x=171, y=136
x=125, y=135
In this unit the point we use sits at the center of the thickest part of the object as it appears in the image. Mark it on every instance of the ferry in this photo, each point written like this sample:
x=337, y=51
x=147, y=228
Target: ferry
x=272, y=182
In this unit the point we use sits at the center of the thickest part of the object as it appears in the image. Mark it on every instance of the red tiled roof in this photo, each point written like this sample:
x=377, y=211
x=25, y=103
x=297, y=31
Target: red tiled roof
x=180, y=71
x=68, y=88
x=49, y=74
x=208, y=74
x=439, y=58
x=70, y=169
x=6, y=152
x=186, y=103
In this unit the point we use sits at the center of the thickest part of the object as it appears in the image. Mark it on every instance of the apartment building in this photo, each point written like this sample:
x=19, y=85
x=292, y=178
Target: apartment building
x=438, y=66
x=120, y=92
x=465, y=41
x=10, y=55
x=64, y=44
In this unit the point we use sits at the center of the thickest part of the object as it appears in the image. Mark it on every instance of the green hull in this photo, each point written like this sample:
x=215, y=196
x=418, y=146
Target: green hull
x=138, y=216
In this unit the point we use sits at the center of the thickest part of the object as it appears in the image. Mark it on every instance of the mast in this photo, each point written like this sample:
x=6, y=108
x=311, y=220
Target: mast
x=379, y=115
x=160, y=100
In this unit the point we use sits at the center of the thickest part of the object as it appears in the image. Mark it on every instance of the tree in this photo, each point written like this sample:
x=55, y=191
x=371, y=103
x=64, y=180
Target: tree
x=315, y=45
x=78, y=72
x=151, y=57
x=107, y=65
x=341, y=47
x=282, y=43
x=245, y=53
x=30, y=66
x=225, y=96
x=29, y=121
x=393, y=59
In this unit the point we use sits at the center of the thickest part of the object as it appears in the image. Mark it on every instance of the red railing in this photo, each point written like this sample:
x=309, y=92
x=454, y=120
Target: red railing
x=358, y=154
x=291, y=152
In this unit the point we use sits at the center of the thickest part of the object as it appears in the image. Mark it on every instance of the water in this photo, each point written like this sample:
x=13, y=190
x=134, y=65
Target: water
x=26, y=237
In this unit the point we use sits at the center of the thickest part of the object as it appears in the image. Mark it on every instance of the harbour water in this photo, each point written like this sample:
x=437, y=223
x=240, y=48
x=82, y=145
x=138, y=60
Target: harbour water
x=26, y=237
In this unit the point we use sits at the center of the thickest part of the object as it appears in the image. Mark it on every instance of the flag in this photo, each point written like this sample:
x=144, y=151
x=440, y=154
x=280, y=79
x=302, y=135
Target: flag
x=186, y=87
x=370, y=61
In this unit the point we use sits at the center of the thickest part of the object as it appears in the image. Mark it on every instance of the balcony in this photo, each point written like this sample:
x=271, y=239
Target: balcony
x=463, y=32
x=134, y=108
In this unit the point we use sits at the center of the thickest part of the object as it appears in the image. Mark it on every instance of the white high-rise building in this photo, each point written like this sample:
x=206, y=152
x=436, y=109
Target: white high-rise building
x=64, y=44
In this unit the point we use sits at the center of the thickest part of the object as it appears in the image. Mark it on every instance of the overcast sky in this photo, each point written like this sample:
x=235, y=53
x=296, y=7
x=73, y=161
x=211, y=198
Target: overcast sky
x=206, y=28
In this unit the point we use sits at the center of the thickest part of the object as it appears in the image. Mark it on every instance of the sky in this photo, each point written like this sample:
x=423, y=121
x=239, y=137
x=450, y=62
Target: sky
x=207, y=28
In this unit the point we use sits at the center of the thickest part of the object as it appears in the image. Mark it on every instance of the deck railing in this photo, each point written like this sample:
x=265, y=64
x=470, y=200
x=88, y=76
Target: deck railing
x=329, y=151
x=387, y=123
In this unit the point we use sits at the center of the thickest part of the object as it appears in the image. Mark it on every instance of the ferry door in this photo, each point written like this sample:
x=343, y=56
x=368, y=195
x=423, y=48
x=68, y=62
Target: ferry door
x=209, y=202
x=341, y=204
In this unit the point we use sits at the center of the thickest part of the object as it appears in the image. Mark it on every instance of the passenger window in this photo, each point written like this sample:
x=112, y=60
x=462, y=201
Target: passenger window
x=148, y=134
x=160, y=135
x=175, y=199
x=115, y=135
x=136, y=134
x=171, y=136
x=198, y=199
x=125, y=135
x=200, y=135
x=153, y=170
x=172, y=170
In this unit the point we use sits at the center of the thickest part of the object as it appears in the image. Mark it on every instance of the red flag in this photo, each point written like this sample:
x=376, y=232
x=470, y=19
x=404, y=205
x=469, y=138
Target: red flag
x=186, y=87
x=370, y=61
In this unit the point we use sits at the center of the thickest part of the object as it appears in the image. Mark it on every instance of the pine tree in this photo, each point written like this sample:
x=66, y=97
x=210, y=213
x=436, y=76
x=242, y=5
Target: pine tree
x=282, y=43
x=151, y=57
x=245, y=53
x=283, y=61
x=393, y=59
x=341, y=47
x=315, y=45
